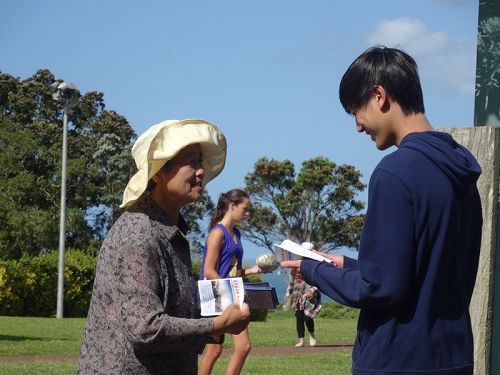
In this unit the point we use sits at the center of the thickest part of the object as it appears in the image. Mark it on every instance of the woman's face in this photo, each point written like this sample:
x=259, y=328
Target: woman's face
x=181, y=180
x=240, y=211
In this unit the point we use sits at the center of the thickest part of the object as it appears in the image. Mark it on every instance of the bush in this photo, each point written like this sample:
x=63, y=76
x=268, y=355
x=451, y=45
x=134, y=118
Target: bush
x=28, y=287
x=334, y=310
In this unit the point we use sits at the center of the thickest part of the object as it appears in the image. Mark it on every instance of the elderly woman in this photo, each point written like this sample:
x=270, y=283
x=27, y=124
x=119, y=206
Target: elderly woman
x=143, y=317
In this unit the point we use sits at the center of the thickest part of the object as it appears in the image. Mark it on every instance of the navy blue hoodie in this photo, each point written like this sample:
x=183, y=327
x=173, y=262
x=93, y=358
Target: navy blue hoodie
x=417, y=264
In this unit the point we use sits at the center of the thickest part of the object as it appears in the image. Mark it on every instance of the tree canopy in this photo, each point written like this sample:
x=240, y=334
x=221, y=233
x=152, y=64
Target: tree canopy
x=317, y=205
x=98, y=166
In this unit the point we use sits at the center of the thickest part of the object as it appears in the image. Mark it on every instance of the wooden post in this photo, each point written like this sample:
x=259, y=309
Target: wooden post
x=484, y=143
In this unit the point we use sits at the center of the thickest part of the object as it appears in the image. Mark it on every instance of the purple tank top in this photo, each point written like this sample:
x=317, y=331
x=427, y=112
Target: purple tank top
x=231, y=254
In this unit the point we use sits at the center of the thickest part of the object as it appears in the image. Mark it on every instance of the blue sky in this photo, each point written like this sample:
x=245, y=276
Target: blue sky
x=266, y=72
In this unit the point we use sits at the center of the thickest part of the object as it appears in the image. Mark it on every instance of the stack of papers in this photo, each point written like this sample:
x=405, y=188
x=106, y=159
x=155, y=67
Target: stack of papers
x=289, y=250
x=216, y=295
x=260, y=296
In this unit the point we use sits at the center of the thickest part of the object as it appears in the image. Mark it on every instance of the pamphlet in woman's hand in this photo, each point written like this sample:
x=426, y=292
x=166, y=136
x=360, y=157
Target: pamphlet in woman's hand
x=216, y=295
x=289, y=250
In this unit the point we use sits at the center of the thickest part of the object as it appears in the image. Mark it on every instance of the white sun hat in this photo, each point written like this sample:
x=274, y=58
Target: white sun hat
x=163, y=141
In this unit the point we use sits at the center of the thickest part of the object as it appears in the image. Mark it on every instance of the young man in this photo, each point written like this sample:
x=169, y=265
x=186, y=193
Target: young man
x=420, y=243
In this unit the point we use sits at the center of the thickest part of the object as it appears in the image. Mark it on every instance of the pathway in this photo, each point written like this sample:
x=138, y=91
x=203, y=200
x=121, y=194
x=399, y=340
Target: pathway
x=258, y=351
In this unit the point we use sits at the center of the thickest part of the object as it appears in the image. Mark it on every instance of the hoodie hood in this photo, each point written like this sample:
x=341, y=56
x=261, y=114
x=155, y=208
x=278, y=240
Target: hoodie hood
x=453, y=159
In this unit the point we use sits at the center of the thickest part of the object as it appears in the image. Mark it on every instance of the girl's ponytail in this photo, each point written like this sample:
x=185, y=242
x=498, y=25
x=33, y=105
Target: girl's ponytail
x=235, y=196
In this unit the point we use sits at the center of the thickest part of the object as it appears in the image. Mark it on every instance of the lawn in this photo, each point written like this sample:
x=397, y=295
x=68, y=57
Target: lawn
x=25, y=336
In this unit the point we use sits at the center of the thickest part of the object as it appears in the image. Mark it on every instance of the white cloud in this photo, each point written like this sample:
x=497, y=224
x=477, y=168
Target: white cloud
x=440, y=58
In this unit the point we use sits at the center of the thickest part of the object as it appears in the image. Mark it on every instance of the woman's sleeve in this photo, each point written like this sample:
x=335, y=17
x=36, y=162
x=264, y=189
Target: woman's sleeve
x=387, y=254
x=138, y=294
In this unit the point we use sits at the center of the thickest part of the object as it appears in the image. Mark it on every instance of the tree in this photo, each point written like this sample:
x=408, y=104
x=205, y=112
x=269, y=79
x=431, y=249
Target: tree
x=98, y=168
x=487, y=110
x=195, y=215
x=318, y=205
x=99, y=165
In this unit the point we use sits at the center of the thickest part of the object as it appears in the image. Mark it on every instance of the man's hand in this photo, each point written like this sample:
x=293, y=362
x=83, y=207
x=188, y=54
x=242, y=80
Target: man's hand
x=233, y=320
x=290, y=264
x=337, y=260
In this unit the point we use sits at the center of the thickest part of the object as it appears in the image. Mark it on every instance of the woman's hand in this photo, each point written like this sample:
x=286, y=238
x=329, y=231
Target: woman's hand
x=233, y=320
x=291, y=264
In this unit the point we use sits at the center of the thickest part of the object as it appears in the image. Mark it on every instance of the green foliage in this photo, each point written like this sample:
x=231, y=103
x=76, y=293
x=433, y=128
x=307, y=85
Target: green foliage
x=488, y=45
x=196, y=213
x=318, y=205
x=99, y=165
x=98, y=168
x=334, y=310
x=28, y=287
x=488, y=66
x=196, y=269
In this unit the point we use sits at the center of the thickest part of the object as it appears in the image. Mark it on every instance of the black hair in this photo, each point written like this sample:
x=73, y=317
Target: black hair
x=151, y=184
x=391, y=68
x=235, y=196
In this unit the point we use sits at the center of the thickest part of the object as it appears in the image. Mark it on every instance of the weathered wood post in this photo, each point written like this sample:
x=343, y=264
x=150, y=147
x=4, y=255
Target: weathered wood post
x=486, y=321
x=484, y=143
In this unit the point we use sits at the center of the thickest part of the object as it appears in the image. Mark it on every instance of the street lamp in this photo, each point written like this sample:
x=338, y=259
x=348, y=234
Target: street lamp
x=66, y=93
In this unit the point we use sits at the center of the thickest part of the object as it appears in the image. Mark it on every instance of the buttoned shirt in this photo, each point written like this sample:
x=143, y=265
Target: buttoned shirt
x=143, y=315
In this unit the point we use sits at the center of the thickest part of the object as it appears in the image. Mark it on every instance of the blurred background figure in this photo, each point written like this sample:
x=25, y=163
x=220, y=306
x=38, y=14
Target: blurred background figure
x=305, y=301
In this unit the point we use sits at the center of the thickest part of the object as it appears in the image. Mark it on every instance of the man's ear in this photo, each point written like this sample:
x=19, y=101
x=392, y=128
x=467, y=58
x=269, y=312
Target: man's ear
x=381, y=97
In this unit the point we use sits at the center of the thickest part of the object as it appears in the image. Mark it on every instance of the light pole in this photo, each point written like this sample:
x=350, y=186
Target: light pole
x=66, y=92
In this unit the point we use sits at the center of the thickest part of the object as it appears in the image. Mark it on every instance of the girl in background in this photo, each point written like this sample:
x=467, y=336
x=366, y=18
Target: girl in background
x=305, y=302
x=222, y=258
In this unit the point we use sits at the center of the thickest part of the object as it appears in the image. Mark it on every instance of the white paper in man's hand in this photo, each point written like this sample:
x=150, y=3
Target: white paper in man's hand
x=289, y=250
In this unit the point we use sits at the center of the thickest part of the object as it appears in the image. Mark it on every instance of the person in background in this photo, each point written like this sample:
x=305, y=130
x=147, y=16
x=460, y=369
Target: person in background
x=143, y=317
x=420, y=243
x=223, y=258
x=305, y=301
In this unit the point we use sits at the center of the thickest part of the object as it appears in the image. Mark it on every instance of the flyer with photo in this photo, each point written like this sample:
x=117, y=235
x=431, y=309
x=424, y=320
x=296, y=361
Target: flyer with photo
x=216, y=295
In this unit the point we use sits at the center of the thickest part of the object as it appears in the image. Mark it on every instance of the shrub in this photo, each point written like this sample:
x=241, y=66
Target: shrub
x=28, y=287
x=334, y=310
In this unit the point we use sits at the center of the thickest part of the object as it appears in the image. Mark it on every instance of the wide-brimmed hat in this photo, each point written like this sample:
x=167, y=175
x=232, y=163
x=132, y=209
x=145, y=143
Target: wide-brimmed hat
x=163, y=141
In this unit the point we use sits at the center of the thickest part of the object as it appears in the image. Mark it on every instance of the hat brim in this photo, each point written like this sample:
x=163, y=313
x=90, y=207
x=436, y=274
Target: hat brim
x=163, y=141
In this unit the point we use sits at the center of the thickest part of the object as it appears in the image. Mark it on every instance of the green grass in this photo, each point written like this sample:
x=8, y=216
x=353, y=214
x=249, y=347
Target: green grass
x=28, y=336
x=279, y=330
x=25, y=335
x=337, y=363
x=37, y=368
